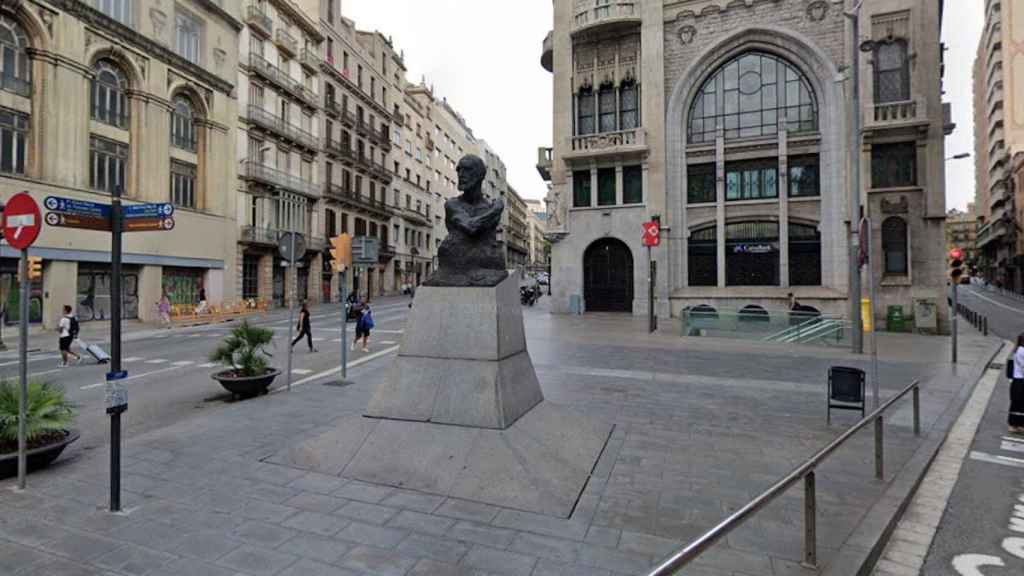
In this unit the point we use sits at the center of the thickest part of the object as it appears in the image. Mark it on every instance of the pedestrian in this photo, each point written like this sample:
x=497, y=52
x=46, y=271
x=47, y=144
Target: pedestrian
x=201, y=308
x=305, y=328
x=164, y=308
x=1016, y=416
x=412, y=295
x=68, y=332
x=363, y=326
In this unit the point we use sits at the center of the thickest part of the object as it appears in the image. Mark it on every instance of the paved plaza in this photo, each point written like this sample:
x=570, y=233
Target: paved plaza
x=701, y=426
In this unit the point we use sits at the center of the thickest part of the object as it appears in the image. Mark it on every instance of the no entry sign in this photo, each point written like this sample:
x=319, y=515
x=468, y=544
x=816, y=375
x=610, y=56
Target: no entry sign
x=21, y=221
x=652, y=233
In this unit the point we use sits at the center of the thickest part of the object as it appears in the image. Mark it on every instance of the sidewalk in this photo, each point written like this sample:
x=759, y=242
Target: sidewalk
x=701, y=427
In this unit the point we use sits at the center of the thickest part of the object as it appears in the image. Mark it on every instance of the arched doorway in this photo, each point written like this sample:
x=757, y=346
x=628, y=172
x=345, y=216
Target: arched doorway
x=608, y=276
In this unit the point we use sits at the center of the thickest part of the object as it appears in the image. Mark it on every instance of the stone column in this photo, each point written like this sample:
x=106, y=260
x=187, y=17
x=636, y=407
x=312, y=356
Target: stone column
x=720, y=204
x=60, y=287
x=782, y=186
x=618, y=185
x=593, y=185
x=150, y=291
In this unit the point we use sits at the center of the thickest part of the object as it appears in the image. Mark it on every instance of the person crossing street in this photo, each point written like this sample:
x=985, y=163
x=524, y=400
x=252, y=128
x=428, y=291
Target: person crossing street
x=305, y=328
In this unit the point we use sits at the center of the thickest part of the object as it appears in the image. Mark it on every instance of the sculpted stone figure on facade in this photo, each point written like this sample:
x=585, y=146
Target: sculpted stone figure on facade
x=555, y=210
x=471, y=254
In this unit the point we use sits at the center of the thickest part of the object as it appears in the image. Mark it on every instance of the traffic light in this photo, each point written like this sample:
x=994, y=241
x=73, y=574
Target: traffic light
x=956, y=270
x=35, y=268
x=341, y=252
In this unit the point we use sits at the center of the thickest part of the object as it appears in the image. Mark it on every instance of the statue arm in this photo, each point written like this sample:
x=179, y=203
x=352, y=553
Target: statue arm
x=474, y=225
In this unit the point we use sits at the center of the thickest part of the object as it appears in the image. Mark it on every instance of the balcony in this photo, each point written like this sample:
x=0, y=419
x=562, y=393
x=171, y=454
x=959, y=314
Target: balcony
x=286, y=42
x=258, y=172
x=544, y=163
x=339, y=150
x=270, y=121
x=622, y=143
x=359, y=201
x=259, y=21
x=592, y=14
x=259, y=236
x=310, y=60
x=282, y=79
x=363, y=127
x=906, y=113
x=417, y=218
x=547, y=52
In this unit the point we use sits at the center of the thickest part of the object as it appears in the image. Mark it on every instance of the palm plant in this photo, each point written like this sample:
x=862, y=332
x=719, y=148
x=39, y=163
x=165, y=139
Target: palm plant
x=244, y=350
x=47, y=411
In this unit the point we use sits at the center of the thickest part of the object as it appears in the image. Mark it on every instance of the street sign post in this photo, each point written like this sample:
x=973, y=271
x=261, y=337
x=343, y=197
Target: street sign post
x=21, y=224
x=651, y=237
x=341, y=259
x=652, y=234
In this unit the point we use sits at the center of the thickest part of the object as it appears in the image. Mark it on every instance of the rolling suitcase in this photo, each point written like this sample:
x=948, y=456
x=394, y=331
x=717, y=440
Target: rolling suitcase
x=96, y=352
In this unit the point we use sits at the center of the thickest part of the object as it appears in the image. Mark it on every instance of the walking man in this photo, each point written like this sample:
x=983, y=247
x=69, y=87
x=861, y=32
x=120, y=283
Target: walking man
x=304, y=328
x=68, y=332
x=363, y=326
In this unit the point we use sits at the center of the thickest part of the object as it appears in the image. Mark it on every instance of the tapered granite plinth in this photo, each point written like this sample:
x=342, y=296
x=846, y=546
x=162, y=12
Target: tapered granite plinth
x=462, y=413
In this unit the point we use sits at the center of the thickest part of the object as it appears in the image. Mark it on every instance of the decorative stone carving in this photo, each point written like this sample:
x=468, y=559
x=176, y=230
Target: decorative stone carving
x=143, y=63
x=899, y=206
x=47, y=17
x=159, y=19
x=471, y=254
x=687, y=34
x=817, y=10
x=88, y=38
x=555, y=209
x=218, y=58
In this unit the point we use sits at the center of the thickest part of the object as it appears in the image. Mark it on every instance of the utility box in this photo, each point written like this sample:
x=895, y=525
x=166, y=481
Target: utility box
x=926, y=315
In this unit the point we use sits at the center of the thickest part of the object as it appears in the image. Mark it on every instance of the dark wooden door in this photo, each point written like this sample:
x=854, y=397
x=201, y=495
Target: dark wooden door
x=608, y=277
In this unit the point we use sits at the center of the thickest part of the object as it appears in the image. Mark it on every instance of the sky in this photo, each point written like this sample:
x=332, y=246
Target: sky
x=961, y=31
x=484, y=56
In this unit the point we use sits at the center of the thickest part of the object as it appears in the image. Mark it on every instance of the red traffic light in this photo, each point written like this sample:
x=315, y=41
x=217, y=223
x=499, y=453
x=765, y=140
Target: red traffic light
x=956, y=254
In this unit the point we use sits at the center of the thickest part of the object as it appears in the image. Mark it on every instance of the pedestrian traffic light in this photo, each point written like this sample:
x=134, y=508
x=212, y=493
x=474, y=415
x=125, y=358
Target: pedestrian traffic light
x=956, y=270
x=341, y=252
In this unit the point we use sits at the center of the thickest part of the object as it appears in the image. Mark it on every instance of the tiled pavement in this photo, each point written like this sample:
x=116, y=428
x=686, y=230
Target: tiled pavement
x=701, y=427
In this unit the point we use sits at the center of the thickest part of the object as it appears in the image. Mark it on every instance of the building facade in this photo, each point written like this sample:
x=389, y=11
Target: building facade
x=962, y=234
x=135, y=96
x=999, y=139
x=727, y=122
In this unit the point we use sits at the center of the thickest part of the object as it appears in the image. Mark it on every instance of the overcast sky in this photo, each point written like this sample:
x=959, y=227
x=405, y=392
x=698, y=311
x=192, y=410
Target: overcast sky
x=484, y=56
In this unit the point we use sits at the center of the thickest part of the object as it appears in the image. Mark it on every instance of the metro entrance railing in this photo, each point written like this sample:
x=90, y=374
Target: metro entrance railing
x=805, y=472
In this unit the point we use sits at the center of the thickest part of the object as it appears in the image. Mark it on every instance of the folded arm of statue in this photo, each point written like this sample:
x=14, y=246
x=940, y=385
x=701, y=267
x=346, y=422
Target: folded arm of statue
x=457, y=216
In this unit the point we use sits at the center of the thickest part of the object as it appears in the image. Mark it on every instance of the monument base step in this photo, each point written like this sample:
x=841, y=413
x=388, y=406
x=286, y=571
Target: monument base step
x=540, y=464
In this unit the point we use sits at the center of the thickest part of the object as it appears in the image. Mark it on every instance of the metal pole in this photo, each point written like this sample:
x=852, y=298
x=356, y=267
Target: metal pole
x=23, y=368
x=871, y=310
x=291, y=302
x=344, y=325
x=810, y=522
x=956, y=307
x=879, y=448
x=116, y=231
x=917, y=410
x=650, y=291
x=857, y=338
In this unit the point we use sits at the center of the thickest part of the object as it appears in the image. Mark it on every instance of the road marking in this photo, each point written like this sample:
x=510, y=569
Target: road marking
x=301, y=371
x=131, y=359
x=319, y=339
x=969, y=564
x=37, y=374
x=388, y=331
x=994, y=459
x=184, y=363
x=157, y=361
x=388, y=342
x=1012, y=446
x=210, y=365
x=1000, y=304
x=337, y=370
x=32, y=359
x=136, y=377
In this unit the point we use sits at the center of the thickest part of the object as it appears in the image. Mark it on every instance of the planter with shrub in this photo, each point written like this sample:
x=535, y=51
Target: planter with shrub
x=49, y=417
x=244, y=351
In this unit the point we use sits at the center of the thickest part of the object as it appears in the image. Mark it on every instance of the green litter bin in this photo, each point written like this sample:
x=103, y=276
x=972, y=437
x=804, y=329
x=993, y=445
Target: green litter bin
x=894, y=320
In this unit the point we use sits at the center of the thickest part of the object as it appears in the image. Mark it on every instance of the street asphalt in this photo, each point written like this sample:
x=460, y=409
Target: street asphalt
x=1005, y=314
x=169, y=371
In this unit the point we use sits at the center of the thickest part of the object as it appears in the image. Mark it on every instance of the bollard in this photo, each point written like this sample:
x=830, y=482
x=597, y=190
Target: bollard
x=984, y=326
x=917, y=410
x=810, y=522
x=879, y=454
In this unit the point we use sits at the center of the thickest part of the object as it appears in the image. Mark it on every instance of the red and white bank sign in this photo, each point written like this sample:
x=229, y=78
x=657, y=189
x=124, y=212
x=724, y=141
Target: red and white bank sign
x=21, y=221
x=652, y=233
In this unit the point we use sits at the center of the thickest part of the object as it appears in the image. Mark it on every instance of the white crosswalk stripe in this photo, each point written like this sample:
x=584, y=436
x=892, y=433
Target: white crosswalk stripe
x=183, y=363
x=157, y=361
x=209, y=365
x=319, y=339
x=131, y=359
x=301, y=371
x=387, y=342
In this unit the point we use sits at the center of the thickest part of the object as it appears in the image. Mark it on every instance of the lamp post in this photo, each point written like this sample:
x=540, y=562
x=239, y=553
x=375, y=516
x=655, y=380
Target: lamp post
x=854, y=288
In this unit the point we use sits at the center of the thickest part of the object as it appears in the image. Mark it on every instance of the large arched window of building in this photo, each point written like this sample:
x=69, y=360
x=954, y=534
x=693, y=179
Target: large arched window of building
x=895, y=245
x=752, y=253
x=892, y=72
x=702, y=257
x=748, y=96
x=183, y=124
x=804, y=255
x=15, y=72
x=109, y=101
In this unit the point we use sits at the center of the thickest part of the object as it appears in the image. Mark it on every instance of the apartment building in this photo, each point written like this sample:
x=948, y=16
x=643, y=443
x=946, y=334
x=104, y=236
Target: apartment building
x=725, y=121
x=133, y=96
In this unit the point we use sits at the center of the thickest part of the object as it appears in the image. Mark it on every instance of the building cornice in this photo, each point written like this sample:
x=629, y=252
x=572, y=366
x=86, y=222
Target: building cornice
x=152, y=48
x=222, y=13
x=59, y=60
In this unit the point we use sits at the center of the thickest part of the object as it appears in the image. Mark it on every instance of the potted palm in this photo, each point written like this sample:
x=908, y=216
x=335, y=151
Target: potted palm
x=48, y=421
x=244, y=351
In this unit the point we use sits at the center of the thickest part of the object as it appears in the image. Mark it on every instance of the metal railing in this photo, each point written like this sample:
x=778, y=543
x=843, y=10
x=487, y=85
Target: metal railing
x=257, y=171
x=805, y=472
x=286, y=41
x=258, y=18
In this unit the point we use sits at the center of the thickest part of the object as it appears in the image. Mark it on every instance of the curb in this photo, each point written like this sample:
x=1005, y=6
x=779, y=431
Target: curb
x=861, y=551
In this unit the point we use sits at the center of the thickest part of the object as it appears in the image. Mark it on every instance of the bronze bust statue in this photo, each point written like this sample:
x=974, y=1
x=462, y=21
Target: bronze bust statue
x=471, y=254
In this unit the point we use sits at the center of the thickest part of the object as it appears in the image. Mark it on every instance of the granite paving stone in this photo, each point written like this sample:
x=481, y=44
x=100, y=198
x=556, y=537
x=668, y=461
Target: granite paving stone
x=466, y=510
x=547, y=567
x=364, y=492
x=546, y=547
x=22, y=558
x=257, y=561
x=262, y=534
x=422, y=545
x=133, y=560
x=314, y=547
x=62, y=567
x=617, y=560
x=315, y=502
x=322, y=524
x=412, y=500
x=318, y=483
x=266, y=511
x=602, y=536
x=377, y=561
x=192, y=567
x=151, y=534
x=307, y=567
x=482, y=534
x=372, y=513
x=373, y=535
x=500, y=561
x=428, y=567
x=419, y=522
x=80, y=546
x=206, y=545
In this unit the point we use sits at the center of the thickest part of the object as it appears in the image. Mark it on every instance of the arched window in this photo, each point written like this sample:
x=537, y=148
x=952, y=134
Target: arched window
x=629, y=105
x=606, y=108
x=15, y=73
x=748, y=96
x=183, y=124
x=585, y=112
x=109, y=103
x=892, y=72
x=894, y=245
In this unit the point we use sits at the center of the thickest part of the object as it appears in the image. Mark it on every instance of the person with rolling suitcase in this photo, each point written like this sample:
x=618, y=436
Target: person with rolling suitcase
x=68, y=333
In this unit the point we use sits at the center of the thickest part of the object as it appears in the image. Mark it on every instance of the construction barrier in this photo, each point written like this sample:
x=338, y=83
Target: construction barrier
x=191, y=314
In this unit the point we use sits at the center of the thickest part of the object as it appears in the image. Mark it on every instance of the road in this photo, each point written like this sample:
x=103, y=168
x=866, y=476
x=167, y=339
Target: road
x=1005, y=314
x=169, y=373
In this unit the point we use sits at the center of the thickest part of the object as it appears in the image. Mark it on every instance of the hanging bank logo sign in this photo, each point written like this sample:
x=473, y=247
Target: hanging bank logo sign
x=753, y=249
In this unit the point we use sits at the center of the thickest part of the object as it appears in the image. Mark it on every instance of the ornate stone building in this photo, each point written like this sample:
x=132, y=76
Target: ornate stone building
x=728, y=122
x=129, y=94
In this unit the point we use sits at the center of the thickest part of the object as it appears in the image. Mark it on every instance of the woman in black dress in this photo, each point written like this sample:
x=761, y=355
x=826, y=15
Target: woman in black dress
x=1016, y=417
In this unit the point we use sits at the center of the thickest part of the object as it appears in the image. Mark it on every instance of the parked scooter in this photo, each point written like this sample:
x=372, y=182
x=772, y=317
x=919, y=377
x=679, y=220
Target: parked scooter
x=528, y=295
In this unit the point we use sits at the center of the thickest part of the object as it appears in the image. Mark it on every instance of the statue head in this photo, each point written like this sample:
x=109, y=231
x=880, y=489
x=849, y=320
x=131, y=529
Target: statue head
x=471, y=171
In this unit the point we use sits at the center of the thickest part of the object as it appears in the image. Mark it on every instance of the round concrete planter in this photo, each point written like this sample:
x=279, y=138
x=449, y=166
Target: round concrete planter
x=246, y=386
x=37, y=457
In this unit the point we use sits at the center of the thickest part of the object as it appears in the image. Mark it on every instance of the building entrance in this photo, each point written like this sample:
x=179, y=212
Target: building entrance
x=608, y=276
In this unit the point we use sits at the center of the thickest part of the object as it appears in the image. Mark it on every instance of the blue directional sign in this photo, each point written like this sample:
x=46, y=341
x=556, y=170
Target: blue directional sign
x=77, y=207
x=149, y=211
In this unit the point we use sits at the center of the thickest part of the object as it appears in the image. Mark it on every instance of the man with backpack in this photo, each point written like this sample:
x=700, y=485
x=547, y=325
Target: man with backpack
x=363, y=326
x=68, y=333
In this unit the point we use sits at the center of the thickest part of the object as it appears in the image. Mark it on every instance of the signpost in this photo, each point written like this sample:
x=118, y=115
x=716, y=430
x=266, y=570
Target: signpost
x=113, y=217
x=341, y=259
x=651, y=238
x=292, y=246
x=365, y=252
x=21, y=226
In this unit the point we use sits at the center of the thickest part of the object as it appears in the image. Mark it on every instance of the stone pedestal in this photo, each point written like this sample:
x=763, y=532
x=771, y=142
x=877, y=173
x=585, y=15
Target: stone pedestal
x=462, y=414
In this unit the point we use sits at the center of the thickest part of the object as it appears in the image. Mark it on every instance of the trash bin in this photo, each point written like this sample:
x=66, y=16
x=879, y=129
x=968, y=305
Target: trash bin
x=865, y=314
x=894, y=320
